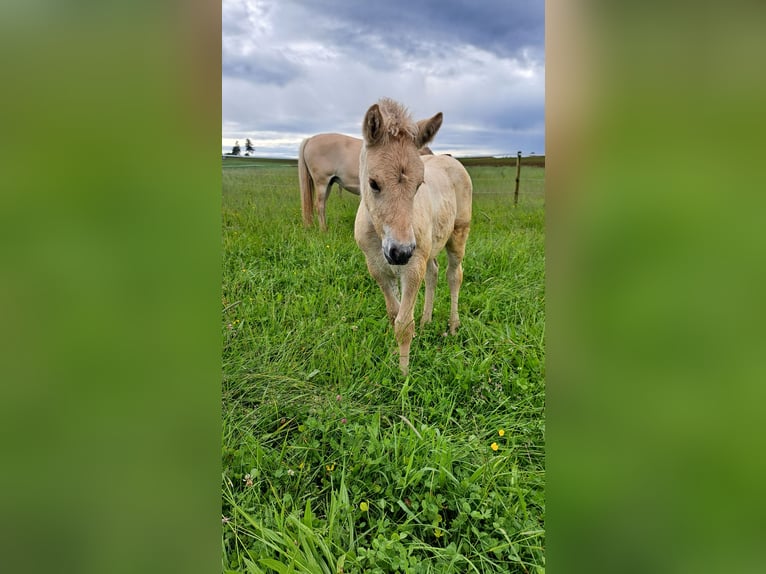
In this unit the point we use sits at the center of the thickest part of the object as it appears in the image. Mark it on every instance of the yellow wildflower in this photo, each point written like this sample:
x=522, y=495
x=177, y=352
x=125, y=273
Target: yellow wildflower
x=330, y=467
x=364, y=507
x=501, y=432
x=494, y=446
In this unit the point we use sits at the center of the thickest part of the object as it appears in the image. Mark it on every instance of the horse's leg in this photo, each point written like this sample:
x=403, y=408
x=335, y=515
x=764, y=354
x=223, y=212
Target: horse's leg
x=404, y=325
x=323, y=190
x=391, y=295
x=432, y=273
x=387, y=284
x=455, y=253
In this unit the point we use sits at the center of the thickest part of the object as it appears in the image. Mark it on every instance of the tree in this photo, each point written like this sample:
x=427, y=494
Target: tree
x=249, y=146
x=236, y=150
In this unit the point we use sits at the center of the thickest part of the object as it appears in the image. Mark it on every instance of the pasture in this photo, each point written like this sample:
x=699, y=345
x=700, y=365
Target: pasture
x=332, y=460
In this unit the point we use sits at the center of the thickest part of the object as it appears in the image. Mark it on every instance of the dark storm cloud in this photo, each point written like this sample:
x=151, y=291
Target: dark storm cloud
x=234, y=20
x=503, y=27
x=291, y=69
x=266, y=68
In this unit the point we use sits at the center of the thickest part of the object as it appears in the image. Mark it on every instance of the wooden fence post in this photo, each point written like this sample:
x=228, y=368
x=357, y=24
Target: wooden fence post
x=518, y=171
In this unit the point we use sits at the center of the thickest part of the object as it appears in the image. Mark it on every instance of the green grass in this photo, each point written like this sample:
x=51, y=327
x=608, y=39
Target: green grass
x=332, y=461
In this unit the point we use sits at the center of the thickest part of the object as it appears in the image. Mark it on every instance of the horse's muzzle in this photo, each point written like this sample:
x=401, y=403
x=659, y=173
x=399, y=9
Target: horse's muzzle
x=398, y=254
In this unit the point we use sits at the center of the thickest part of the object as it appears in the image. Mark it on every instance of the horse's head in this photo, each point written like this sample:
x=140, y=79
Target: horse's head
x=390, y=172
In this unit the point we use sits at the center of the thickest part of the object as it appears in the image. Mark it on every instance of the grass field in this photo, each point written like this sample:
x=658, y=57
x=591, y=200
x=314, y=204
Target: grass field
x=334, y=462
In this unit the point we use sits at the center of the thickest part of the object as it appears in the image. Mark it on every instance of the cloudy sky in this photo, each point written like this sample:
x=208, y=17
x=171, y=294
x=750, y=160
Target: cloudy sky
x=294, y=68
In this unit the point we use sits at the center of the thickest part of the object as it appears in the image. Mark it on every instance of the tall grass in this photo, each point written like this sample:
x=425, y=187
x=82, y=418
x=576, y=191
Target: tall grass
x=332, y=461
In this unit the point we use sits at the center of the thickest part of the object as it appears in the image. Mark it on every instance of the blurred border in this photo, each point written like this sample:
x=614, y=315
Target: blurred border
x=110, y=286
x=654, y=280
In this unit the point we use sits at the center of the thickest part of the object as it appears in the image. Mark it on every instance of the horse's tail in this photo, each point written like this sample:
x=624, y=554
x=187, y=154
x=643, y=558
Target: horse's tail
x=307, y=186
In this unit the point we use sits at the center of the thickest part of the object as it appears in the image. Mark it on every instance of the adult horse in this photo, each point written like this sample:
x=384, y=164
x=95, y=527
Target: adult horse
x=325, y=159
x=412, y=207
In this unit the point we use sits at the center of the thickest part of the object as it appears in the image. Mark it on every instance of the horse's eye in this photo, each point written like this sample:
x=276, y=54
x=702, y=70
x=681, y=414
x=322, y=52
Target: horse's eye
x=374, y=185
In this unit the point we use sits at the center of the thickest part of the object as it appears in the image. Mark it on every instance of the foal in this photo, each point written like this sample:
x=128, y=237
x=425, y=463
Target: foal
x=412, y=207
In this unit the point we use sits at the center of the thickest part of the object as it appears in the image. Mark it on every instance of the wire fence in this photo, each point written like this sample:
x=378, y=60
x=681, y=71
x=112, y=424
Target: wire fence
x=531, y=178
x=231, y=166
x=526, y=186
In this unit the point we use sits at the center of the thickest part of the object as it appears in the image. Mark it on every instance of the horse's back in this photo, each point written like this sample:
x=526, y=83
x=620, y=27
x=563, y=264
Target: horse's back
x=334, y=156
x=334, y=148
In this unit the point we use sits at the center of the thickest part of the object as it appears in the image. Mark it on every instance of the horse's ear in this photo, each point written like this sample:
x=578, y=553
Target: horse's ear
x=372, y=127
x=427, y=129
